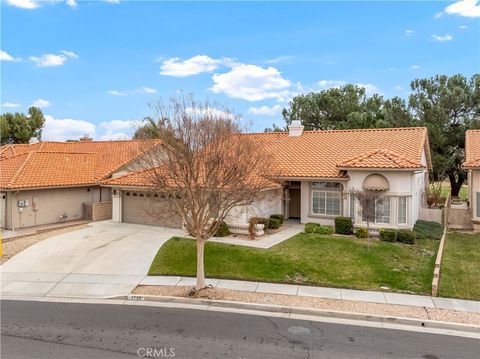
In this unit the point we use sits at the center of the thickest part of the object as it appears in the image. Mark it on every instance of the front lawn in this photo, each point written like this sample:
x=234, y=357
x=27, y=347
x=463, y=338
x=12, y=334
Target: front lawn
x=311, y=259
x=460, y=273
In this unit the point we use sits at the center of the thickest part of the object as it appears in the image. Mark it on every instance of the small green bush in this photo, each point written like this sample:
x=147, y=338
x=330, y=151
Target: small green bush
x=317, y=228
x=222, y=230
x=361, y=233
x=343, y=225
x=311, y=227
x=406, y=236
x=274, y=223
x=428, y=230
x=388, y=235
x=277, y=216
x=325, y=230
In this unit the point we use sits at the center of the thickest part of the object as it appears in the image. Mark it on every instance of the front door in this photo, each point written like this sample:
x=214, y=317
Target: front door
x=294, y=203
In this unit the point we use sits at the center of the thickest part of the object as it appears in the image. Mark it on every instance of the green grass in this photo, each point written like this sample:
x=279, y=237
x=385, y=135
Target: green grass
x=460, y=273
x=311, y=259
x=428, y=230
x=463, y=194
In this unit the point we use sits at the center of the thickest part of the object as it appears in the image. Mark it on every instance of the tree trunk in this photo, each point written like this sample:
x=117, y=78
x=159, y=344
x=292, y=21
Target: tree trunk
x=455, y=185
x=200, y=265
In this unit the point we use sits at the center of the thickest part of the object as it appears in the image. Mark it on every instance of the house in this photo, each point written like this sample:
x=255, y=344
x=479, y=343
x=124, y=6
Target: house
x=49, y=182
x=472, y=164
x=316, y=173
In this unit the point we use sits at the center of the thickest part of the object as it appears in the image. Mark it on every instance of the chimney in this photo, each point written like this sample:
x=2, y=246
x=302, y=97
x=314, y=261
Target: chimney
x=295, y=128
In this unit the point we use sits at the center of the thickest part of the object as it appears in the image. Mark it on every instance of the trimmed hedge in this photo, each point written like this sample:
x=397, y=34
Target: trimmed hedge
x=388, y=235
x=277, y=216
x=361, y=232
x=428, y=230
x=343, y=225
x=222, y=230
x=261, y=220
x=274, y=223
x=317, y=228
x=406, y=236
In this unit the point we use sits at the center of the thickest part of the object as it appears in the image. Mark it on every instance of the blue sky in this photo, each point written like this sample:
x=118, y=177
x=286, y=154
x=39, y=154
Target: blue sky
x=94, y=66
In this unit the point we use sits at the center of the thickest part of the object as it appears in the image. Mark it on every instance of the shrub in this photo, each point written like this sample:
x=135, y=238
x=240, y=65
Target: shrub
x=222, y=230
x=343, y=225
x=325, y=230
x=311, y=227
x=428, y=230
x=388, y=235
x=361, y=233
x=261, y=220
x=277, y=216
x=317, y=228
x=406, y=236
x=274, y=223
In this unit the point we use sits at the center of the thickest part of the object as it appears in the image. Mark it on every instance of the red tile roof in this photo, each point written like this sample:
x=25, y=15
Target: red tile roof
x=323, y=154
x=472, y=149
x=53, y=164
x=379, y=159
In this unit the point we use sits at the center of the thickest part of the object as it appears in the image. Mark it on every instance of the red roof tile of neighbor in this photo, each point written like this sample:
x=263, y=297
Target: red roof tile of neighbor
x=323, y=154
x=53, y=164
x=472, y=149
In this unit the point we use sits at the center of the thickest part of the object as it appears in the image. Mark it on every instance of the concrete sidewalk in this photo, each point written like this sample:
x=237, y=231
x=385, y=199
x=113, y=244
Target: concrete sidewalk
x=323, y=292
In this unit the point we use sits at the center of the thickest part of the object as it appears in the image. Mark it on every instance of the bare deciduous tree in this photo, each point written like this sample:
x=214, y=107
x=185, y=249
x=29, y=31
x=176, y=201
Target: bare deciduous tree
x=210, y=168
x=368, y=200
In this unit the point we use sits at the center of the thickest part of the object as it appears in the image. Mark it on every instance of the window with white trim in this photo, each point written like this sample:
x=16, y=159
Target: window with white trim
x=382, y=210
x=326, y=203
x=402, y=210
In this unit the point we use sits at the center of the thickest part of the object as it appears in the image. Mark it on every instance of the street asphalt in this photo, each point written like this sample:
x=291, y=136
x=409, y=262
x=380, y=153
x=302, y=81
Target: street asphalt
x=71, y=330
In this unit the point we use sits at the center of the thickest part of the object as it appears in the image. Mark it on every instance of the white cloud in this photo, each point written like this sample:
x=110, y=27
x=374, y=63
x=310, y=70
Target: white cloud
x=117, y=93
x=210, y=112
x=409, y=32
x=49, y=60
x=71, y=3
x=281, y=59
x=466, y=8
x=265, y=110
x=69, y=54
x=118, y=129
x=41, y=103
x=398, y=88
x=463, y=27
x=328, y=84
x=23, y=4
x=252, y=83
x=112, y=1
x=415, y=67
x=441, y=38
x=192, y=66
x=10, y=105
x=66, y=129
x=116, y=125
x=5, y=56
x=369, y=88
x=146, y=89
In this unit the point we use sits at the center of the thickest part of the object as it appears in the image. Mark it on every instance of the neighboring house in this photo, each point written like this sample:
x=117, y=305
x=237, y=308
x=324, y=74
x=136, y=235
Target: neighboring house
x=49, y=182
x=316, y=171
x=472, y=164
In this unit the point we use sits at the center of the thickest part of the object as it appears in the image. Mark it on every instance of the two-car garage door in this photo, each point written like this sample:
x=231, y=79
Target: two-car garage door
x=145, y=208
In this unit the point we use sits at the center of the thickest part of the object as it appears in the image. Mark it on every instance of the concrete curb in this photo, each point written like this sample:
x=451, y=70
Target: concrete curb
x=378, y=319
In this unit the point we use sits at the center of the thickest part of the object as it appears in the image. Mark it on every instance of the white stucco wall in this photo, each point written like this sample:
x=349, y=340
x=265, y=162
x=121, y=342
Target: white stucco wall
x=270, y=202
x=474, y=185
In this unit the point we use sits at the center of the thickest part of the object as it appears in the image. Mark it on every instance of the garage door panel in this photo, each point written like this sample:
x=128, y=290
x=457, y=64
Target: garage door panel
x=140, y=209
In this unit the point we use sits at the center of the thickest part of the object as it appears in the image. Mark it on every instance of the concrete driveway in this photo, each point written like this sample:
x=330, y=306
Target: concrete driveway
x=105, y=259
